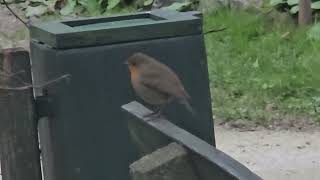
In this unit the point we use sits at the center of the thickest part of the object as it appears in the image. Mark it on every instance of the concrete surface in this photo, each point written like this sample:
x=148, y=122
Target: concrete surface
x=274, y=155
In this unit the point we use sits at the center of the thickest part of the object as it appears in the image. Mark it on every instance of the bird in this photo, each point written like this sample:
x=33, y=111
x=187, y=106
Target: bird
x=156, y=83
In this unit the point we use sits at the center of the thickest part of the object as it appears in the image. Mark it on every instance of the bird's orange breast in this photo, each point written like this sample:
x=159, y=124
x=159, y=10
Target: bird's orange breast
x=133, y=73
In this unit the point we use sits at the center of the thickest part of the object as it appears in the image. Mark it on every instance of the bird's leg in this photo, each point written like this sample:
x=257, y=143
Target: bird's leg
x=153, y=113
x=157, y=113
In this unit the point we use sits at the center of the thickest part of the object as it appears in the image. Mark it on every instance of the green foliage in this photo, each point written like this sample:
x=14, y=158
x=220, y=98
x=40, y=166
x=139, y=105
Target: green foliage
x=277, y=2
x=293, y=5
x=179, y=6
x=69, y=8
x=314, y=32
x=96, y=7
x=315, y=5
x=260, y=70
x=36, y=10
x=113, y=3
x=148, y=2
x=294, y=9
x=292, y=2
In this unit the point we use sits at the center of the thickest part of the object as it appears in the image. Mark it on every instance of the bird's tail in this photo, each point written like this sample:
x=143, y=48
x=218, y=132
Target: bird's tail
x=188, y=106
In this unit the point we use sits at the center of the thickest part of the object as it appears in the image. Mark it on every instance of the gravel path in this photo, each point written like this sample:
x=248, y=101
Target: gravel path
x=274, y=155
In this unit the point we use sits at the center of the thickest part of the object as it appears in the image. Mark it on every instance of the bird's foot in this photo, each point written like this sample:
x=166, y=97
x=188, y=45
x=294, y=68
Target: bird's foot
x=152, y=116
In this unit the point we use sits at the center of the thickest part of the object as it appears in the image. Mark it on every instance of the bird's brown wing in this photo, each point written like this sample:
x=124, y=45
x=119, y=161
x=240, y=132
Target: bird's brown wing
x=164, y=81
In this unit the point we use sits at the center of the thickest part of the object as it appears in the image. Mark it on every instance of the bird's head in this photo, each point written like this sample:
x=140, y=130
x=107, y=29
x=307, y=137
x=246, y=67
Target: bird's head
x=137, y=60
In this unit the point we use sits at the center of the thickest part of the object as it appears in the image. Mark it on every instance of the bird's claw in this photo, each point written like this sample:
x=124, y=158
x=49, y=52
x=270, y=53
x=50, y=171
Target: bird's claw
x=152, y=116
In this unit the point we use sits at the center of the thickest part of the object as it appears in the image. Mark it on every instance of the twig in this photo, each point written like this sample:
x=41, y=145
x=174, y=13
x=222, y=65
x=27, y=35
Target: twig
x=4, y=73
x=268, y=11
x=285, y=35
x=15, y=88
x=14, y=75
x=21, y=88
x=215, y=30
x=314, y=104
x=13, y=13
x=66, y=76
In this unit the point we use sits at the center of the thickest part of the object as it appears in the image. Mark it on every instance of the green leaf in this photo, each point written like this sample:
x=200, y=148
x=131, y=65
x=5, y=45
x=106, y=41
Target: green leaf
x=314, y=32
x=177, y=6
x=68, y=8
x=93, y=7
x=49, y=2
x=294, y=9
x=265, y=86
x=36, y=11
x=84, y=3
x=148, y=2
x=78, y=10
x=315, y=5
x=316, y=99
x=119, y=10
x=112, y=3
x=276, y=2
x=256, y=64
x=35, y=1
x=292, y=2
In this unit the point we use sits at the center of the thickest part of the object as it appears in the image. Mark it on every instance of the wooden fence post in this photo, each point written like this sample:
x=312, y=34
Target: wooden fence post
x=207, y=162
x=19, y=147
x=171, y=162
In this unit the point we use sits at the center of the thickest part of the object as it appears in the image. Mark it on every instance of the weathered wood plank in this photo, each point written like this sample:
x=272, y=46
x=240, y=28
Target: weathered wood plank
x=209, y=162
x=19, y=149
x=168, y=163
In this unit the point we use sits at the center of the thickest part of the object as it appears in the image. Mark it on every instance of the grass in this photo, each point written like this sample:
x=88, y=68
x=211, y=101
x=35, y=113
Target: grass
x=260, y=69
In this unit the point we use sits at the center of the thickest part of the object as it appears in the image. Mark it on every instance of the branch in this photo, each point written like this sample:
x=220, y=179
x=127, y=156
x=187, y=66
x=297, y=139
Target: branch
x=14, y=75
x=21, y=88
x=66, y=76
x=13, y=13
x=11, y=75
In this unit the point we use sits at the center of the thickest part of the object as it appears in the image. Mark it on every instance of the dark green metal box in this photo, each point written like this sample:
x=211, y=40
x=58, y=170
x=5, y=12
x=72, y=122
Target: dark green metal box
x=86, y=136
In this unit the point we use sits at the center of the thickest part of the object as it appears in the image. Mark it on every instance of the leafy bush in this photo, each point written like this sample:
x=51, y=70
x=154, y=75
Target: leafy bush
x=314, y=32
x=293, y=4
x=95, y=7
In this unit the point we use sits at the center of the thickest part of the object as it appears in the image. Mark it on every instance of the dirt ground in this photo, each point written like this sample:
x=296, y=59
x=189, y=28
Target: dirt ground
x=273, y=154
x=287, y=150
x=12, y=32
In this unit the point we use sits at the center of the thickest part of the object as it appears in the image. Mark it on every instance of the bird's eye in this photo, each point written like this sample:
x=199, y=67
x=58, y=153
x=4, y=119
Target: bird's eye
x=133, y=63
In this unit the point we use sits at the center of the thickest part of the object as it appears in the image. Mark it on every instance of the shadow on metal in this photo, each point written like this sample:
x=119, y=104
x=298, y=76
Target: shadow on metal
x=209, y=162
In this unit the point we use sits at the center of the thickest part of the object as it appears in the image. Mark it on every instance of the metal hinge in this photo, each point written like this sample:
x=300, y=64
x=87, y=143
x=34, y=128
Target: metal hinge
x=43, y=106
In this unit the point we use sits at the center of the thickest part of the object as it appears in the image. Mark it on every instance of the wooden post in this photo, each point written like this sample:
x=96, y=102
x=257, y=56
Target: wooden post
x=19, y=147
x=305, y=13
x=167, y=163
x=207, y=162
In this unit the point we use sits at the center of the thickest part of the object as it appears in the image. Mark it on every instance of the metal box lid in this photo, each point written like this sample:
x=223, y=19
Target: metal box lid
x=117, y=29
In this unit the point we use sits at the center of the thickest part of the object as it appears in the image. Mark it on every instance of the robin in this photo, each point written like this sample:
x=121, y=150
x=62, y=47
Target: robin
x=156, y=83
